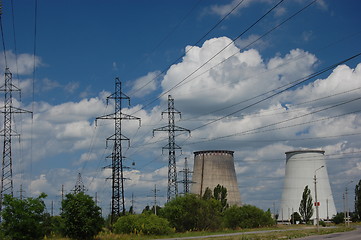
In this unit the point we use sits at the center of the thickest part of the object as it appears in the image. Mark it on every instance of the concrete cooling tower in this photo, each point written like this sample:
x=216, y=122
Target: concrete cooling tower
x=301, y=167
x=212, y=168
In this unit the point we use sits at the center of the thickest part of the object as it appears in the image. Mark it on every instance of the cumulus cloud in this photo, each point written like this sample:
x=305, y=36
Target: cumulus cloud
x=234, y=80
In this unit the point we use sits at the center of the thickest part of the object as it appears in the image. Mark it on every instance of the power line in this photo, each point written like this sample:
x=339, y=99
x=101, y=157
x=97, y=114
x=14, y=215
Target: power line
x=193, y=45
x=296, y=83
x=252, y=131
x=210, y=59
x=278, y=108
x=2, y=34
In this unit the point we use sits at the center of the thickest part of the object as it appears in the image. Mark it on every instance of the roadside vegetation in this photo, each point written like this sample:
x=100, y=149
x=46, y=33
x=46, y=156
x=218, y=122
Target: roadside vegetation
x=184, y=216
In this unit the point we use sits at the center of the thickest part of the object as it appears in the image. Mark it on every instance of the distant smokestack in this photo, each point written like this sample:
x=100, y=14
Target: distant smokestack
x=300, y=170
x=212, y=168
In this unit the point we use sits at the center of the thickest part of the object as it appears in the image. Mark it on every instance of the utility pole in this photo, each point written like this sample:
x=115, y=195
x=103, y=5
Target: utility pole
x=7, y=132
x=52, y=208
x=155, y=198
x=131, y=211
x=62, y=192
x=21, y=192
x=346, y=205
x=117, y=165
x=186, y=180
x=344, y=208
x=317, y=204
x=79, y=186
x=171, y=128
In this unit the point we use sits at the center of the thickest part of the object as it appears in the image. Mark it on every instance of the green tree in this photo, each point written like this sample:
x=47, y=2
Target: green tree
x=207, y=194
x=220, y=194
x=190, y=212
x=82, y=217
x=23, y=218
x=358, y=201
x=306, y=206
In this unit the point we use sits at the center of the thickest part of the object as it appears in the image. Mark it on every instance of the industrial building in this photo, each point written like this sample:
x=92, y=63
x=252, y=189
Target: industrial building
x=215, y=167
x=302, y=167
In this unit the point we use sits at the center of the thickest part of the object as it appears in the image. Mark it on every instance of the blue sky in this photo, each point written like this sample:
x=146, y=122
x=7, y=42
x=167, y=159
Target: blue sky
x=81, y=46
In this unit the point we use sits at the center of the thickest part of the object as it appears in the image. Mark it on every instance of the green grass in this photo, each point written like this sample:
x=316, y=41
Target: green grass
x=291, y=231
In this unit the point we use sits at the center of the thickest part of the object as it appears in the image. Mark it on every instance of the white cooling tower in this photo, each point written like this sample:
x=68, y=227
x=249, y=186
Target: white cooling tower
x=212, y=168
x=301, y=167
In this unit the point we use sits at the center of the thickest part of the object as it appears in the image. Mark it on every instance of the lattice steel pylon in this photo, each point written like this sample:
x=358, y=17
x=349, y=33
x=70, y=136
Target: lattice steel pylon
x=79, y=186
x=171, y=128
x=117, y=165
x=186, y=180
x=6, y=186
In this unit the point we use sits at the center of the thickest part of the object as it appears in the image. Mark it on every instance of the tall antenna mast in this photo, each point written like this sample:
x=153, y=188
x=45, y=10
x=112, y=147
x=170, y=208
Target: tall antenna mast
x=7, y=132
x=117, y=166
x=171, y=128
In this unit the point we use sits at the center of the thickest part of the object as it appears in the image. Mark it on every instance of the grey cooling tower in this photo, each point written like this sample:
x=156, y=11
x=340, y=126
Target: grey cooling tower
x=212, y=168
x=301, y=166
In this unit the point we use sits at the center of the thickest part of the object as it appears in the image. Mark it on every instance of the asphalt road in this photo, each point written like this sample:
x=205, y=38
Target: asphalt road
x=351, y=235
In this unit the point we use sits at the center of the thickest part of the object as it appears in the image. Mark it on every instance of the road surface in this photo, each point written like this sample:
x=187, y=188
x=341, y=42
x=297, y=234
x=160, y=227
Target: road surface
x=351, y=235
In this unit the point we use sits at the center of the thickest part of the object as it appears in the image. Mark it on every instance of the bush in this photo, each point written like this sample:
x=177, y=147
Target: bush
x=190, y=212
x=148, y=224
x=247, y=216
x=322, y=223
x=338, y=218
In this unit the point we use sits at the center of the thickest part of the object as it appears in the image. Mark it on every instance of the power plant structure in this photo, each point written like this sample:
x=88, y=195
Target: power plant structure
x=306, y=168
x=215, y=167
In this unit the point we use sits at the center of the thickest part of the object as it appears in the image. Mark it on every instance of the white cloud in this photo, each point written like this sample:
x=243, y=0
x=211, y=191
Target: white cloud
x=40, y=185
x=235, y=79
x=145, y=85
x=22, y=64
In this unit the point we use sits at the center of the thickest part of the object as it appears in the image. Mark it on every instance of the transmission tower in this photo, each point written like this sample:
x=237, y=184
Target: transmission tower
x=7, y=132
x=117, y=166
x=171, y=128
x=79, y=186
x=186, y=173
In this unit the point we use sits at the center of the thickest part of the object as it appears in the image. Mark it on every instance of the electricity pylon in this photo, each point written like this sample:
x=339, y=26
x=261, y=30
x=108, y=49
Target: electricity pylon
x=186, y=173
x=171, y=128
x=117, y=166
x=79, y=186
x=7, y=132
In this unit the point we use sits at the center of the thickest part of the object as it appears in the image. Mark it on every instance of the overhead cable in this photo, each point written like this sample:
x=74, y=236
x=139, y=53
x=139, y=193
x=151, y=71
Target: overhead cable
x=193, y=45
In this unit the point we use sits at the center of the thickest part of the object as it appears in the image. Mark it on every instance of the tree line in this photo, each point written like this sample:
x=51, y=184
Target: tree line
x=81, y=218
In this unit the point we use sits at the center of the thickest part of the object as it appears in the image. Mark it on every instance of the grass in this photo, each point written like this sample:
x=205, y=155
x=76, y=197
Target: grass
x=285, y=232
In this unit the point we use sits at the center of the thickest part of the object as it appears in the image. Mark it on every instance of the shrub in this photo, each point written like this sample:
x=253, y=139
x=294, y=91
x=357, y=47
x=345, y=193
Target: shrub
x=148, y=224
x=247, y=216
x=190, y=212
x=338, y=218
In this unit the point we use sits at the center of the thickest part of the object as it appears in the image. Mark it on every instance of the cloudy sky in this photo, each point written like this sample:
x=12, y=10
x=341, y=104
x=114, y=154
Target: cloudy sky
x=239, y=72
